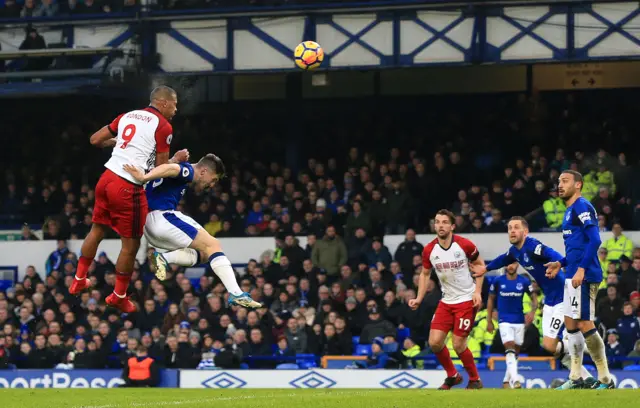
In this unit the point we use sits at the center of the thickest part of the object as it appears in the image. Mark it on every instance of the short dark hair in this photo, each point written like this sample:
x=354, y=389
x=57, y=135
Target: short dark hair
x=449, y=214
x=162, y=92
x=577, y=176
x=213, y=163
x=521, y=219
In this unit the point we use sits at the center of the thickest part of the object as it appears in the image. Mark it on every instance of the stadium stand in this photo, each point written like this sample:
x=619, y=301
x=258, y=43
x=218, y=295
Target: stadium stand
x=311, y=311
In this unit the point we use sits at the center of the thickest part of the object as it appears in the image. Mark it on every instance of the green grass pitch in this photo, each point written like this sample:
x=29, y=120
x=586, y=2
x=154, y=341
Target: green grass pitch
x=192, y=398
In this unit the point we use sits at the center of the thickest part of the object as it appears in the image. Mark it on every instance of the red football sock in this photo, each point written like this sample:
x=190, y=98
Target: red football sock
x=469, y=364
x=445, y=360
x=122, y=283
x=83, y=267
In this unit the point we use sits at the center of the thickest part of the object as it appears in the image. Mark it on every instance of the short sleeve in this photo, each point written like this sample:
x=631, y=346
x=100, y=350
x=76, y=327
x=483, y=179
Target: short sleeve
x=186, y=172
x=585, y=213
x=469, y=248
x=426, y=256
x=164, y=134
x=113, y=126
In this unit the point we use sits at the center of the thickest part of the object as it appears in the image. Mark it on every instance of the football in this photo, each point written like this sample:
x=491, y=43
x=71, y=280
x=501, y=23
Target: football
x=308, y=55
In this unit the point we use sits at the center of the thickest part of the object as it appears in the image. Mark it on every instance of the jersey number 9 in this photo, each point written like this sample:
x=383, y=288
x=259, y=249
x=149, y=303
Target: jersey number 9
x=127, y=134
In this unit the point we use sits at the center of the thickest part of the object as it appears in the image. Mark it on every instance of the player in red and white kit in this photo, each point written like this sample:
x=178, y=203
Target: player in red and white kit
x=142, y=138
x=454, y=259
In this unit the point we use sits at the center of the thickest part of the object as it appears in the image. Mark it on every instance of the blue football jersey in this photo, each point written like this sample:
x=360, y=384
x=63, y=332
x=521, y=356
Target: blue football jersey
x=532, y=257
x=509, y=295
x=578, y=218
x=165, y=194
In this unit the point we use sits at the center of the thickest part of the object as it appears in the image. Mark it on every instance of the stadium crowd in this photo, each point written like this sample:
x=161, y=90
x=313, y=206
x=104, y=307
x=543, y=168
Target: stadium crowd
x=62, y=8
x=345, y=282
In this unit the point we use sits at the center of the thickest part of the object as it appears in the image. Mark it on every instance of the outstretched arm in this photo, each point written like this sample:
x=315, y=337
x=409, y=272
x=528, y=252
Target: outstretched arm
x=162, y=171
x=500, y=262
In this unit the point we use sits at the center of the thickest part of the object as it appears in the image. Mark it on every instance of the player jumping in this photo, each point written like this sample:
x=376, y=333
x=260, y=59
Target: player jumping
x=532, y=255
x=583, y=274
x=509, y=289
x=454, y=259
x=137, y=137
x=186, y=241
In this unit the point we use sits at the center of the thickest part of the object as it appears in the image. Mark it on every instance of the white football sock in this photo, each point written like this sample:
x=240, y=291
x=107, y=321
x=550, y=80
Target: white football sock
x=182, y=257
x=598, y=355
x=222, y=267
x=565, y=359
x=576, y=349
x=512, y=365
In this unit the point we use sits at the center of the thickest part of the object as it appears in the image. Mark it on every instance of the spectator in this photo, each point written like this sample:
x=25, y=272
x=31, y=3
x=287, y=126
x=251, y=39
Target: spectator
x=10, y=9
x=634, y=299
x=259, y=348
x=48, y=8
x=296, y=338
x=630, y=279
x=614, y=349
x=635, y=353
x=376, y=326
x=358, y=245
x=610, y=308
x=40, y=356
x=330, y=253
x=357, y=219
x=618, y=245
x=29, y=10
x=378, y=254
x=407, y=250
x=283, y=351
x=554, y=209
x=377, y=359
x=496, y=224
x=398, y=204
x=628, y=329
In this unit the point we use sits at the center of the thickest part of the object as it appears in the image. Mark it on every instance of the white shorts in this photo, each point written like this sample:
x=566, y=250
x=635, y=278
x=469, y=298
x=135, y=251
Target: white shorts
x=512, y=332
x=580, y=303
x=170, y=230
x=552, y=320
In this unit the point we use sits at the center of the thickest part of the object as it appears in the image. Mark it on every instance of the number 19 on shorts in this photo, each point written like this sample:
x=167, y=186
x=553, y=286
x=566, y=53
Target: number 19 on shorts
x=464, y=324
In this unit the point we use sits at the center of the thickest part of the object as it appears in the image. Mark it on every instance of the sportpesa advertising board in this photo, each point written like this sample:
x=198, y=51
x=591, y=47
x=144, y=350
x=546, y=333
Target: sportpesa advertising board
x=292, y=379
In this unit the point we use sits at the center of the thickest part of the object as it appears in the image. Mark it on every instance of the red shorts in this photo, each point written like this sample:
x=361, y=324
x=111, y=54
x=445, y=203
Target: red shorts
x=458, y=317
x=120, y=204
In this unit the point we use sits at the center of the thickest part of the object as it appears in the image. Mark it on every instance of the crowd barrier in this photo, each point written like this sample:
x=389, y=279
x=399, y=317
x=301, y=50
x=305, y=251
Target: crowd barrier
x=283, y=379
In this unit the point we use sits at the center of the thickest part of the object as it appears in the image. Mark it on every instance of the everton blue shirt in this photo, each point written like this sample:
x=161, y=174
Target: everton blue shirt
x=165, y=194
x=582, y=240
x=509, y=295
x=532, y=257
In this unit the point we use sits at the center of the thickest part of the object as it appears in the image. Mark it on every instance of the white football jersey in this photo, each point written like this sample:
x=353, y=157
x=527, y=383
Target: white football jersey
x=452, y=267
x=140, y=134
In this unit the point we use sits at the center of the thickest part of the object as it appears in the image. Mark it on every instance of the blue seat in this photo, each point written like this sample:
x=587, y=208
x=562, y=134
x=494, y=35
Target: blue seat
x=355, y=340
x=306, y=360
x=306, y=364
x=635, y=367
x=244, y=366
x=287, y=366
x=363, y=350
